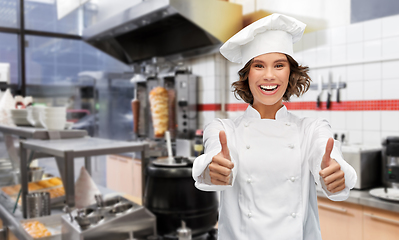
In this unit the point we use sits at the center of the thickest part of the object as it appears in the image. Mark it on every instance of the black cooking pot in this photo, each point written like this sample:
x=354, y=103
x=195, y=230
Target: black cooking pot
x=170, y=194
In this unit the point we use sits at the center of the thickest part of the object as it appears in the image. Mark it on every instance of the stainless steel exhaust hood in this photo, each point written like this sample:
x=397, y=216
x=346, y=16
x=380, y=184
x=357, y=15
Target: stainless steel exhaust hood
x=165, y=28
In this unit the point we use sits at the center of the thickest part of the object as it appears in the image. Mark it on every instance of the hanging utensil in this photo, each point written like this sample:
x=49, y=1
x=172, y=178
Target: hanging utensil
x=319, y=90
x=338, y=87
x=99, y=200
x=328, y=105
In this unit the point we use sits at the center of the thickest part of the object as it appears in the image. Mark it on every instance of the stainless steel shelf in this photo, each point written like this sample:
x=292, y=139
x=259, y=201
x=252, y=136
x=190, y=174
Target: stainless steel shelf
x=40, y=133
x=82, y=147
x=65, y=151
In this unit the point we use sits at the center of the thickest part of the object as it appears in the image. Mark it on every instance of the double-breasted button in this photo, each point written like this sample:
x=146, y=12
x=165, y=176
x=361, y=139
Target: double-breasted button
x=293, y=215
x=249, y=180
x=248, y=147
x=246, y=124
x=249, y=215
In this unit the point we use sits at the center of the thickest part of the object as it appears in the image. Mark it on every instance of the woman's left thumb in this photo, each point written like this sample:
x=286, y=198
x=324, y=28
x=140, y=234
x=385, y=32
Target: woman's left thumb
x=326, y=157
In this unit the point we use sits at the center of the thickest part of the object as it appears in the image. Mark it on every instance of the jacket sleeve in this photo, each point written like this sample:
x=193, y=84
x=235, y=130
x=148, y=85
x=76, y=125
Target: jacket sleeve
x=212, y=145
x=321, y=133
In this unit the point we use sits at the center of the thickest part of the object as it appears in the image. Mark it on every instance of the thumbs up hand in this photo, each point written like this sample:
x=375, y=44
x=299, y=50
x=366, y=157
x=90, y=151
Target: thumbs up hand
x=333, y=176
x=221, y=165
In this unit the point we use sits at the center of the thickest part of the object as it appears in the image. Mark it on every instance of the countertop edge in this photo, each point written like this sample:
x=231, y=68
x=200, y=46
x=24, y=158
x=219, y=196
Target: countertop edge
x=362, y=197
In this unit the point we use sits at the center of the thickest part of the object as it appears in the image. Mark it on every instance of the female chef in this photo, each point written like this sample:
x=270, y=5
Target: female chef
x=267, y=162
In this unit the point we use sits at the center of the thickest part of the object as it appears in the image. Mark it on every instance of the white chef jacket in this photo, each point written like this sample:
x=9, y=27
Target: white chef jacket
x=276, y=166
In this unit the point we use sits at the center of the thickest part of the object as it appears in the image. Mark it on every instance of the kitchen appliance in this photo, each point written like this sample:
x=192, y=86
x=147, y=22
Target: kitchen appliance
x=171, y=195
x=173, y=29
x=390, y=162
x=186, y=105
x=115, y=218
x=182, y=93
x=366, y=160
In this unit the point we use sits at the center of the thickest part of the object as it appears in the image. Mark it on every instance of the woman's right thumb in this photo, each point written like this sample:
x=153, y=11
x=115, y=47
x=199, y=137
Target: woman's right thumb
x=223, y=142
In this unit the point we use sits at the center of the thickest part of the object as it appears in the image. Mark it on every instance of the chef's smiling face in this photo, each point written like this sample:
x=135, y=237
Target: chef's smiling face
x=268, y=79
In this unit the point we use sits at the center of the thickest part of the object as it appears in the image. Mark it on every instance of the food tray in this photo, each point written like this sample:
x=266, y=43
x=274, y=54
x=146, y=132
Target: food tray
x=53, y=223
x=53, y=201
x=15, y=188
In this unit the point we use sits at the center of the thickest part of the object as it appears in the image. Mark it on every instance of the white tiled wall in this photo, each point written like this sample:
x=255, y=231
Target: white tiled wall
x=212, y=74
x=365, y=55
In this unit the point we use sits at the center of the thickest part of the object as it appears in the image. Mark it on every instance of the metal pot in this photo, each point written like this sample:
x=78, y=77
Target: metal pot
x=170, y=194
x=35, y=174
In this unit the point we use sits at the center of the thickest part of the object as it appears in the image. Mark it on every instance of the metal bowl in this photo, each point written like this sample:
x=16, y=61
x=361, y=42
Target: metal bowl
x=85, y=222
x=120, y=208
x=85, y=212
x=35, y=174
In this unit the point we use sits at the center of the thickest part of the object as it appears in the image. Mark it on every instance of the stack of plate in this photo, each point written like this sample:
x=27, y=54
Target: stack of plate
x=53, y=118
x=33, y=115
x=390, y=194
x=7, y=173
x=20, y=117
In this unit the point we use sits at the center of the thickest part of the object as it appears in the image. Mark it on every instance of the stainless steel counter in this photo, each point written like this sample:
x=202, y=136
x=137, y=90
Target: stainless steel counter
x=363, y=197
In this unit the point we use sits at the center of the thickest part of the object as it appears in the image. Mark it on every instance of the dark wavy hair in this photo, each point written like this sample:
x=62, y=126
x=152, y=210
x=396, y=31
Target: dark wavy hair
x=298, y=84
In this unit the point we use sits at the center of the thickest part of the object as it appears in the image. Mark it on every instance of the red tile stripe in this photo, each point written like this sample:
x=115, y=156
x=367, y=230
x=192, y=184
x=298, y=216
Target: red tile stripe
x=210, y=107
x=233, y=107
x=367, y=105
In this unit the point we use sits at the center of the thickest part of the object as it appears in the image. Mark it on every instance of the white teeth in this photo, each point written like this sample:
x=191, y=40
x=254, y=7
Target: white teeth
x=268, y=87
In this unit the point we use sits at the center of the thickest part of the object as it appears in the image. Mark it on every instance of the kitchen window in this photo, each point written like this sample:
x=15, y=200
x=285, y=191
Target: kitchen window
x=9, y=13
x=9, y=54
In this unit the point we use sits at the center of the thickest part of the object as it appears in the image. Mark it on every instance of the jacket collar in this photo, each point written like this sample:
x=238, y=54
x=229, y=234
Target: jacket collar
x=253, y=113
